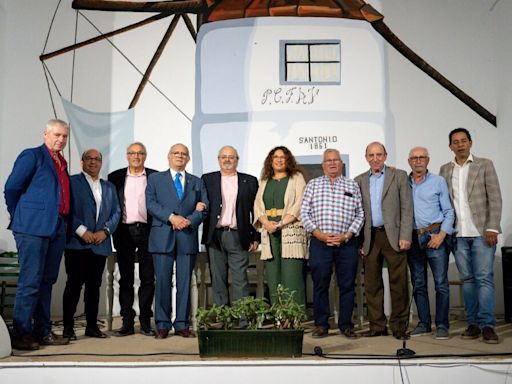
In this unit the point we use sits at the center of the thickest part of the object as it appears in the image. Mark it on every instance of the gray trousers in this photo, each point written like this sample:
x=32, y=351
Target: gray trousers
x=225, y=254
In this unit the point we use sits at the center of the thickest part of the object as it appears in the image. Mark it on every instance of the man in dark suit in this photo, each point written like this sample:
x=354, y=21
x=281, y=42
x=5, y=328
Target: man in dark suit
x=38, y=199
x=131, y=241
x=475, y=190
x=176, y=200
x=387, y=203
x=94, y=215
x=228, y=232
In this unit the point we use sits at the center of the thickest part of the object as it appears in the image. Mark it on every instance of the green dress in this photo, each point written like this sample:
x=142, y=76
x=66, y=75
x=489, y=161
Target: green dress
x=278, y=270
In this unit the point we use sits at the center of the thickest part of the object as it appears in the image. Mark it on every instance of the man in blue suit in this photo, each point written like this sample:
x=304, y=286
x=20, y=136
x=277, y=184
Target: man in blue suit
x=38, y=199
x=95, y=213
x=176, y=200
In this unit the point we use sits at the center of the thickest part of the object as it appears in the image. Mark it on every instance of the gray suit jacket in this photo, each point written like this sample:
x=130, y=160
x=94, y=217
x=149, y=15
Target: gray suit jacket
x=483, y=192
x=397, y=209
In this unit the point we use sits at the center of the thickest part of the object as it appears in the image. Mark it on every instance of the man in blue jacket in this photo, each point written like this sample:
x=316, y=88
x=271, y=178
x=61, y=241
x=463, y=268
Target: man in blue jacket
x=176, y=200
x=38, y=199
x=95, y=213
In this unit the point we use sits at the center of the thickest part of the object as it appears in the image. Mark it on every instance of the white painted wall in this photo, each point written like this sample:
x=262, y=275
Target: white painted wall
x=462, y=38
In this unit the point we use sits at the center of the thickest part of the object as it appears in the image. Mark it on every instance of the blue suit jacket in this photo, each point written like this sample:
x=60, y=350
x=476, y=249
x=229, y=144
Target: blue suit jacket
x=162, y=200
x=83, y=212
x=32, y=193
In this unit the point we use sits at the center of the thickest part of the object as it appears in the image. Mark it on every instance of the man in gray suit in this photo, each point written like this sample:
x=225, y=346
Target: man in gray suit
x=475, y=191
x=387, y=203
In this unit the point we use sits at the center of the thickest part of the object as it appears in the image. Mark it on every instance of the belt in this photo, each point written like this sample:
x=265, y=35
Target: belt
x=227, y=229
x=138, y=224
x=274, y=212
x=381, y=228
x=428, y=229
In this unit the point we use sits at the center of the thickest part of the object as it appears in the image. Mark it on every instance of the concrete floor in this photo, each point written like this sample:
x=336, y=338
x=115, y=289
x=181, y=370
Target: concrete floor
x=139, y=348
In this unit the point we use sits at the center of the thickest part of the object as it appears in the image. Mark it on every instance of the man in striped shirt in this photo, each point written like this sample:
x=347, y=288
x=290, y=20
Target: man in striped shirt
x=332, y=211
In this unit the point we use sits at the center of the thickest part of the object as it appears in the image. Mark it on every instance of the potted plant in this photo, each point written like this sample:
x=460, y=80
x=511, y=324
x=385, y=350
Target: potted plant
x=253, y=328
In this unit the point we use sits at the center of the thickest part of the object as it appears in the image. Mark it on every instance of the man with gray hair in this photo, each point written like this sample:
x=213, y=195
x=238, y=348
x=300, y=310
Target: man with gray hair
x=387, y=203
x=332, y=211
x=38, y=201
x=227, y=231
x=131, y=241
x=433, y=220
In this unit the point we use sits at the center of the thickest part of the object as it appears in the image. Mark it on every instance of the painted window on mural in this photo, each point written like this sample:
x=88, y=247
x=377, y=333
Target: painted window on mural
x=317, y=62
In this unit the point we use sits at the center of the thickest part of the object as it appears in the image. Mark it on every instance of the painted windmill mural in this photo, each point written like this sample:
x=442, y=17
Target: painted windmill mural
x=309, y=74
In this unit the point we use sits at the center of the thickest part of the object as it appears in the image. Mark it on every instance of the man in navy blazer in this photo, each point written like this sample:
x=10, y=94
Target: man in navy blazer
x=228, y=232
x=38, y=199
x=176, y=200
x=95, y=213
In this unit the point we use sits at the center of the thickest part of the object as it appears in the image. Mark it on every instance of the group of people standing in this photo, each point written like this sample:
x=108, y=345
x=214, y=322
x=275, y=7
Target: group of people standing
x=154, y=217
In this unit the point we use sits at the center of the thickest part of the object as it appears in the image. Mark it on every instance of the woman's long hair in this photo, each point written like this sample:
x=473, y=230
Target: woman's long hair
x=291, y=164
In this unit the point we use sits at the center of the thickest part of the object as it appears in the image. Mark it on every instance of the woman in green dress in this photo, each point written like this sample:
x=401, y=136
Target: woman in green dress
x=284, y=242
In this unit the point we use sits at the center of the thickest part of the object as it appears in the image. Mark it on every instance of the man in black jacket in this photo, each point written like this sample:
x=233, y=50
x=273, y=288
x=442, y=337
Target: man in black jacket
x=131, y=241
x=227, y=231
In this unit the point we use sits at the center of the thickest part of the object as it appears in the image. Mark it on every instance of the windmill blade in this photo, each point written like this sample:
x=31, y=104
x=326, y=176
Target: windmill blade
x=377, y=21
x=176, y=6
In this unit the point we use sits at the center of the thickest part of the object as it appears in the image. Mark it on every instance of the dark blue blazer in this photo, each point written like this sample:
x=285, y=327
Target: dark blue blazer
x=32, y=193
x=83, y=212
x=162, y=200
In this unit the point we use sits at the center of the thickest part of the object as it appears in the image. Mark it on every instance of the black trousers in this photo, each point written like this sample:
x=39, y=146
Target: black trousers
x=132, y=245
x=83, y=267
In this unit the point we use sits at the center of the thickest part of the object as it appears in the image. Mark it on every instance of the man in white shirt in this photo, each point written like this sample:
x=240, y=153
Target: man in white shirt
x=476, y=196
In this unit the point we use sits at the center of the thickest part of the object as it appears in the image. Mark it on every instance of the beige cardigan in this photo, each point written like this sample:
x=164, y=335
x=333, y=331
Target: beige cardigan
x=294, y=236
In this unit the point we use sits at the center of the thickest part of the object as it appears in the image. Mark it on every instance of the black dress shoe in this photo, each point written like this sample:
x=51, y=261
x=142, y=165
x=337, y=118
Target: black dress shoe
x=53, y=339
x=124, y=331
x=95, y=332
x=375, y=333
x=69, y=333
x=147, y=331
x=349, y=333
x=401, y=335
x=25, y=343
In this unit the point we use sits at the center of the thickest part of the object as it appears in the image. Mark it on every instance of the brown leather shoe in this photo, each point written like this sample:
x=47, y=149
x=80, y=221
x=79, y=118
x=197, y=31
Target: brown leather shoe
x=319, y=332
x=184, y=333
x=25, y=343
x=375, y=333
x=471, y=332
x=162, y=334
x=349, y=333
x=489, y=336
x=53, y=339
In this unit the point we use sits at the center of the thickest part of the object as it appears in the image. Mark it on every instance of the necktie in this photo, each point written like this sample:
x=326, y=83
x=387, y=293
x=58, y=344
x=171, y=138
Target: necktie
x=177, y=184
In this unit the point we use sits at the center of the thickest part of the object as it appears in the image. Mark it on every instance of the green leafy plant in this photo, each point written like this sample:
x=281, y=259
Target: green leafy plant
x=251, y=313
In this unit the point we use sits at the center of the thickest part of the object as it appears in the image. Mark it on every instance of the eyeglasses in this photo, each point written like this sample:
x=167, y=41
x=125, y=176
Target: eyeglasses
x=332, y=160
x=418, y=158
x=182, y=154
x=227, y=157
x=88, y=158
x=140, y=153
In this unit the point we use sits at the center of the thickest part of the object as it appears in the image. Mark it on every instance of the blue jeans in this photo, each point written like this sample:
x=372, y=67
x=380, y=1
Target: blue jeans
x=475, y=262
x=39, y=259
x=418, y=257
x=345, y=259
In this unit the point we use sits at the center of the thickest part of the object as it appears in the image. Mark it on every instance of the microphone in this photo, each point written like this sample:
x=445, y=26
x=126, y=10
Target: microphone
x=318, y=351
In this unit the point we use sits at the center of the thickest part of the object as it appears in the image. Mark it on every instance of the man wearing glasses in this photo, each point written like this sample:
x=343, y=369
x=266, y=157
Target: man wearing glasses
x=228, y=232
x=131, y=241
x=433, y=220
x=177, y=201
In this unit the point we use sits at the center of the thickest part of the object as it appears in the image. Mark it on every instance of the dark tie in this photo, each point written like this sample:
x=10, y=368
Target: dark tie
x=177, y=184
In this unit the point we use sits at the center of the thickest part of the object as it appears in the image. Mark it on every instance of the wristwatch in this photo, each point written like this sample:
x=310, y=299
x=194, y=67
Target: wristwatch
x=106, y=230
